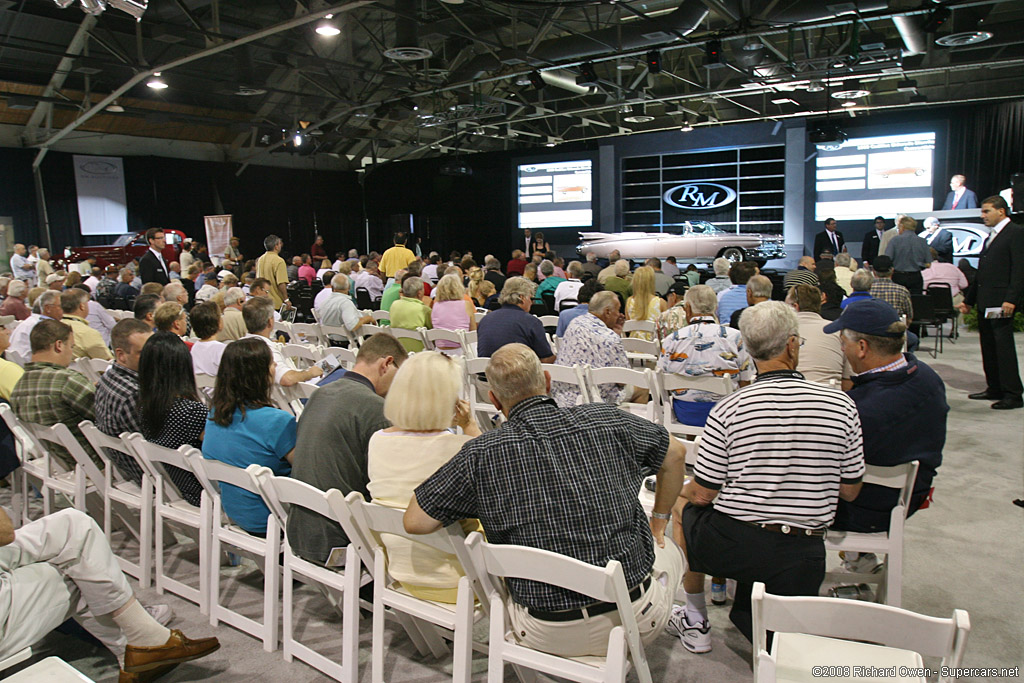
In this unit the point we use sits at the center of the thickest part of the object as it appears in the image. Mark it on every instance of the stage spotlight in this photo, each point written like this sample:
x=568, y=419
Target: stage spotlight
x=654, y=62
x=713, y=54
x=939, y=16
x=536, y=80
x=588, y=75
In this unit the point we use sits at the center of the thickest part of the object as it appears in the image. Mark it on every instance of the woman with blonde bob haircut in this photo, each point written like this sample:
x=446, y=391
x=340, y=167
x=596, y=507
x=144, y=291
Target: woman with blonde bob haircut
x=645, y=304
x=451, y=309
x=422, y=404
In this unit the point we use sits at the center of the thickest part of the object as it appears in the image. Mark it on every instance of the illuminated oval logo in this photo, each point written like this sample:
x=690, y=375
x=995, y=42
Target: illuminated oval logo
x=700, y=196
x=967, y=239
x=99, y=168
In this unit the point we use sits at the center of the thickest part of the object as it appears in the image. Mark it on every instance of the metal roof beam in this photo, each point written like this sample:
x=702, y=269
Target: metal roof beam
x=60, y=75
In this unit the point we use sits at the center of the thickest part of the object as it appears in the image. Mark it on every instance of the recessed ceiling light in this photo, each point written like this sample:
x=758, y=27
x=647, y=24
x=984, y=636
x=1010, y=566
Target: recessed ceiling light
x=850, y=93
x=965, y=38
x=815, y=86
x=638, y=118
x=625, y=66
x=156, y=82
x=849, y=103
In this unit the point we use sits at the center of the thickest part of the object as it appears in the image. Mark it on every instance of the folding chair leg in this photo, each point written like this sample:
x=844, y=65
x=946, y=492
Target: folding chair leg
x=413, y=631
x=271, y=588
x=350, y=619
x=615, y=664
x=146, y=538
x=496, y=637
x=377, y=647
x=287, y=608
x=435, y=642
x=462, y=661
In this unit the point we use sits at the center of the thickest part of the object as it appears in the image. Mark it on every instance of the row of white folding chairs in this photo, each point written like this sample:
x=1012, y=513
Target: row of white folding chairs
x=486, y=566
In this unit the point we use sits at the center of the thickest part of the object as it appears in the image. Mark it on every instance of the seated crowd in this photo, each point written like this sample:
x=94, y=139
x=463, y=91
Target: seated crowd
x=815, y=385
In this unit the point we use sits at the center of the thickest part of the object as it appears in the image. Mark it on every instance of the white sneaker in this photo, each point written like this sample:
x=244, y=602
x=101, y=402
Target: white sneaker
x=866, y=563
x=694, y=637
x=162, y=614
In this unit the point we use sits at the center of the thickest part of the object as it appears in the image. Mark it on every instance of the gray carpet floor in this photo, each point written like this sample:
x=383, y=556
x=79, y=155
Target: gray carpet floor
x=966, y=551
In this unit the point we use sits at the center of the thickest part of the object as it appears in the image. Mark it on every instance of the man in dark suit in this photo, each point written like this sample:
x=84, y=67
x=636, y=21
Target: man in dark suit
x=829, y=239
x=869, y=248
x=959, y=196
x=999, y=284
x=152, y=267
x=938, y=239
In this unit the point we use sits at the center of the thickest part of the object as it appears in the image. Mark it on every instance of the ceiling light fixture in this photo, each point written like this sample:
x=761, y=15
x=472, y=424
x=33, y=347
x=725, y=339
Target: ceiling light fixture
x=115, y=108
x=753, y=44
x=815, y=86
x=156, y=82
x=965, y=38
x=783, y=100
x=686, y=127
x=298, y=139
x=625, y=66
x=327, y=28
x=851, y=90
x=849, y=103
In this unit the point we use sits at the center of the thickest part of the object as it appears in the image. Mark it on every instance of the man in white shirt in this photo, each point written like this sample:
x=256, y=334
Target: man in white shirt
x=571, y=287
x=20, y=267
x=258, y=314
x=100, y=320
x=49, y=307
x=93, y=279
x=339, y=310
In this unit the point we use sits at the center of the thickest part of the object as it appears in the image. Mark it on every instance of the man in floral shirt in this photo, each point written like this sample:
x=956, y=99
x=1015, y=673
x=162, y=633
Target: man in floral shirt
x=704, y=347
x=594, y=339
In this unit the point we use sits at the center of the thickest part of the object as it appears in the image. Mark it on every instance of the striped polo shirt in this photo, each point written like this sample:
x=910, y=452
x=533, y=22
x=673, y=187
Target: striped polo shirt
x=778, y=449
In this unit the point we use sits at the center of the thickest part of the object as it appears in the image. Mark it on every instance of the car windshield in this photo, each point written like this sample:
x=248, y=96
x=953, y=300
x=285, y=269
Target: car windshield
x=124, y=240
x=693, y=228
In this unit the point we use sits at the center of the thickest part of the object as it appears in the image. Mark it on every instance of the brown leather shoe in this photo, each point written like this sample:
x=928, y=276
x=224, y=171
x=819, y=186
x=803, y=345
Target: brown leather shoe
x=145, y=676
x=176, y=650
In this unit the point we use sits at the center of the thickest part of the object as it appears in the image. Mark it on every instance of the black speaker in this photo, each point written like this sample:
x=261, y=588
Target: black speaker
x=1017, y=184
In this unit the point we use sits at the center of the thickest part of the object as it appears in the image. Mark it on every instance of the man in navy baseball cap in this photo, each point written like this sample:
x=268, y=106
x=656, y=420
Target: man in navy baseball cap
x=902, y=408
x=871, y=316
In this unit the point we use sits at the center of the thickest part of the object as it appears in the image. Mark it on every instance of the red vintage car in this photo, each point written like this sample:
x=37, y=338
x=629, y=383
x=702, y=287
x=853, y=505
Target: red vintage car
x=129, y=246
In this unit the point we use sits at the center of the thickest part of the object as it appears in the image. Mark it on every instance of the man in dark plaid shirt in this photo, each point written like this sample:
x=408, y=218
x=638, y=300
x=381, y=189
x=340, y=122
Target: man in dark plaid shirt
x=49, y=392
x=564, y=480
x=117, y=394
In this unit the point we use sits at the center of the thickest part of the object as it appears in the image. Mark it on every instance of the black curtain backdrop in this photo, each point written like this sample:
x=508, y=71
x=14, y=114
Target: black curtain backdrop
x=986, y=144
x=177, y=193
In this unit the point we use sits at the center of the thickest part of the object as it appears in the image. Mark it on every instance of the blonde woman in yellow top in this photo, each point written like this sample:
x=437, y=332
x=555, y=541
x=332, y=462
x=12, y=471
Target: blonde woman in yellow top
x=645, y=304
x=422, y=403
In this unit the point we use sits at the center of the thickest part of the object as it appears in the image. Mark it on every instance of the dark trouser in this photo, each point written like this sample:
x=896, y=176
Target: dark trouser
x=719, y=545
x=912, y=280
x=999, y=356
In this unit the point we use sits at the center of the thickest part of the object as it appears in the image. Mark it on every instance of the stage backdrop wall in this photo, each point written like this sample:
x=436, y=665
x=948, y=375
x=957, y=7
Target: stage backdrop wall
x=178, y=193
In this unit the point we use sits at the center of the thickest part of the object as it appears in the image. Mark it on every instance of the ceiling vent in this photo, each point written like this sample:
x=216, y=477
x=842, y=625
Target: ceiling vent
x=407, y=45
x=963, y=39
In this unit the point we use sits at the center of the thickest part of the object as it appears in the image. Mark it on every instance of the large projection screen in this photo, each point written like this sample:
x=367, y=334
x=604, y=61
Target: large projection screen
x=556, y=195
x=875, y=176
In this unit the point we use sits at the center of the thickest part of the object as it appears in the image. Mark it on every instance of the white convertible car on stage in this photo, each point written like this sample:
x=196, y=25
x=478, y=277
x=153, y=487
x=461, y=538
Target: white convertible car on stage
x=699, y=241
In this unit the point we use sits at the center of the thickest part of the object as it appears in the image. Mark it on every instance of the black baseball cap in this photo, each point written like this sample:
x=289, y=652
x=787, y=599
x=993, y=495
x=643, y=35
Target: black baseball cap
x=870, y=316
x=882, y=263
x=678, y=288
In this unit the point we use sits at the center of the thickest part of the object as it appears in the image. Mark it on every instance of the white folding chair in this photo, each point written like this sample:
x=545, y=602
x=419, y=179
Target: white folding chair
x=637, y=326
x=469, y=342
x=347, y=357
x=373, y=520
x=667, y=383
x=307, y=333
x=35, y=467
x=281, y=326
x=307, y=353
x=204, y=386
x=810, y=631
x=575, y=375
x=49, y=669
x=641, y=351
x=340, y=333
x=890, y=544
x=282, y=494
x=84, y=367
x=490, y=564
x=400, y=333
x=84, y=485
x=479, y=315
x=549, y=320
x=136, y=497
x=629, y=377
x=487, y=416
x=454, y=336
x=219, y=530
x=366, y=330
x=172, y=510
x=381, y=317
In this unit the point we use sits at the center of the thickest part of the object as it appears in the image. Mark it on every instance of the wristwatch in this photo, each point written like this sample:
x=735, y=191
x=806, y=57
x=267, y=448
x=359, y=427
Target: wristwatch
x=661, y=515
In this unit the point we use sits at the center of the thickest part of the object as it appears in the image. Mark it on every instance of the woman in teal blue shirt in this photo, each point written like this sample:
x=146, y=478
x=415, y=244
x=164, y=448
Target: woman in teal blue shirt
x=244, y=427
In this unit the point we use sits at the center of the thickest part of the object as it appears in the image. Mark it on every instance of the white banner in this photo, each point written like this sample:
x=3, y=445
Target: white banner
x=102, y=208
x=218, y=236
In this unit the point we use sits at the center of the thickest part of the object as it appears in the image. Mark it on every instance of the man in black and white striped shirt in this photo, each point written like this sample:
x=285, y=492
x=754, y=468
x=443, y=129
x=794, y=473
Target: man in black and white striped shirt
x=775, y=458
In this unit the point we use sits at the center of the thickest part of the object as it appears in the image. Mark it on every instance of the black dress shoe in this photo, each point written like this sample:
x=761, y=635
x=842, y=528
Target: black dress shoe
x=984, y=396
x=1008, y=404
